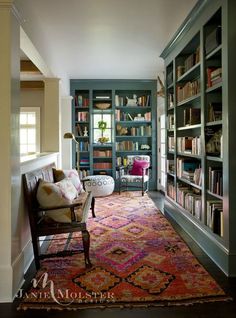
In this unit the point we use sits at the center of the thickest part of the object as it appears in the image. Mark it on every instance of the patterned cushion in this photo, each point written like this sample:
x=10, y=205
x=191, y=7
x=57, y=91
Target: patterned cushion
x=131, y=178
x=72, y=174
x=57, y=194
x=138, y=167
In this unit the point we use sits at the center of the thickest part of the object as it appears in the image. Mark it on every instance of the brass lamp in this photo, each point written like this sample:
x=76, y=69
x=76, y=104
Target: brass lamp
x=69, y=135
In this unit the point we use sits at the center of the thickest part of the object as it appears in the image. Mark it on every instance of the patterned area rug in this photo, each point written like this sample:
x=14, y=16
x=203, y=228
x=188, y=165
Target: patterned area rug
x=138, y=260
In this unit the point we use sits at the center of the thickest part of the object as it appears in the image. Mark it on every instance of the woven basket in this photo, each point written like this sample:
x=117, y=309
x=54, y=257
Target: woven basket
x=102, y=105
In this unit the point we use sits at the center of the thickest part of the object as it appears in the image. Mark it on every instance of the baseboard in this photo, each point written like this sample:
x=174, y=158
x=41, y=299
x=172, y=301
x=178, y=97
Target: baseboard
x=20, y=266
x=216, y=251
x=6, y=284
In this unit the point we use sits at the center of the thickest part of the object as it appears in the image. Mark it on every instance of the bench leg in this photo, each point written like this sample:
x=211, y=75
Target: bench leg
x=86, y=245
x=93, y=207
x=36, y=250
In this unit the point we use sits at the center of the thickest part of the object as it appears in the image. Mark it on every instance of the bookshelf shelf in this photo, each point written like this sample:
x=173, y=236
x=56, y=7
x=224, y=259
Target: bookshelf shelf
x=189, y=127
x=188, y=100
x=197, y=63
x=214, y=123
x=211, y=158
x=215, y=195
x=191, y=73
x=215, y=52
x=190, y=183
x=214, y=88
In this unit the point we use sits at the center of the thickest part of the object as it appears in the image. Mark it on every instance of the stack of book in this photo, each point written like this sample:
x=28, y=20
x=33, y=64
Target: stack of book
x=214, y=76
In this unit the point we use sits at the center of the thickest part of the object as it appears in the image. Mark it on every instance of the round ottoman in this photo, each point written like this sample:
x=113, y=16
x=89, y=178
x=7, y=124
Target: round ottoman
x=99, y=185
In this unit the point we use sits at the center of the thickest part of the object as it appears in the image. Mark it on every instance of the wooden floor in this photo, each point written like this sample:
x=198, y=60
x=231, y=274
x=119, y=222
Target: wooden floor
x=216, y=310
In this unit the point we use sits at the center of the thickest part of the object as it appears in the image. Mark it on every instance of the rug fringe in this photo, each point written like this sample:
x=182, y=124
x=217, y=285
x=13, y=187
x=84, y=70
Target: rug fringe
x=123, y=306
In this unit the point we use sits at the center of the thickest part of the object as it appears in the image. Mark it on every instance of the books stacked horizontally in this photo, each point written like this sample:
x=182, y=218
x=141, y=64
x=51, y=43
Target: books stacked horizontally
x=214, y=76
x=102, y=165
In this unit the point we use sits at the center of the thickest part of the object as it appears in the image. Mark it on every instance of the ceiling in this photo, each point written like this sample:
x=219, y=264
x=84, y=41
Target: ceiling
x=102, y=39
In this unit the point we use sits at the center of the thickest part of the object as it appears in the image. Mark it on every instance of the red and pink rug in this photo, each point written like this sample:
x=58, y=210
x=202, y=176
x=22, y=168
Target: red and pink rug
x=138, y=260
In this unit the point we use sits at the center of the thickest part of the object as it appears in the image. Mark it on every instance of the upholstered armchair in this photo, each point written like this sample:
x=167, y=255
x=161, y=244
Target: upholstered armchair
x=136, y=174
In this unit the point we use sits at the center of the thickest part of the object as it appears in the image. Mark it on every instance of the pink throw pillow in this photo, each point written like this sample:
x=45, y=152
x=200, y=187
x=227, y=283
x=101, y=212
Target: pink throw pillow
x=138, y=166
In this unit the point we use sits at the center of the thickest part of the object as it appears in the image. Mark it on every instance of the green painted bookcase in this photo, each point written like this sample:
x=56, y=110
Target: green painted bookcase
x=128, y=108
x=200, y=113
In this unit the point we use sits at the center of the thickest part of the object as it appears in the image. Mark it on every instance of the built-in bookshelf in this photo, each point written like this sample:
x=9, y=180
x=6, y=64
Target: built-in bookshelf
x=128, y=107
x=197, y=141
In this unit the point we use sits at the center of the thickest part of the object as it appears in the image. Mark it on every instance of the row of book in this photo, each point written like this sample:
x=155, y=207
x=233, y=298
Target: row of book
x=171, y=143
x=102, y=153
x=215, y=180
x=124, y=116
x=171, y=191
x=84, y=162
x=170, y=100
x=170, y=121
x=214, y=111
x=121, y=161
x=191, y=145
x=214, y=76
x=215, y=216
x=170, y=167
x=83, y=116
x=83, y=146
x=189, y=199
x=187, y=90
x=189, y=62
x=143, y=101
x=127, y=145
x=189, y=170
x=141, y=131
x=81, y=101
x=192, y=116
x=84, y=173
x=102, y=165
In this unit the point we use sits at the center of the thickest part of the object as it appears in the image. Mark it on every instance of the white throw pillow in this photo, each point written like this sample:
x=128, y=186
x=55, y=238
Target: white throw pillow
x=72, y=174
x=57, y=194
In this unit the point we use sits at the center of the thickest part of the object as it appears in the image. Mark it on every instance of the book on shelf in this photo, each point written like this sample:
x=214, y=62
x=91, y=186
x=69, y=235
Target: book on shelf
x=148, y=116
x=213, y=137
x=170, y=100
x=192, y=116
x=214, y=111
x=81, y=101
x=214, y=76
x=171, y=143
x=186, y=168
x=215, y=216
x=215, y=180
x=187, y=90
x=189, y=145
x=102, y=153
x=171, y=121
x=102, y=165
x=83, y=116
x=170, y=166
x=213, y=39
x=79, y=129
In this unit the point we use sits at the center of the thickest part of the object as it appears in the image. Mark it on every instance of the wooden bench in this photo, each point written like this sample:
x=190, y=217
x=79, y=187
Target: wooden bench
x=39, y=224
